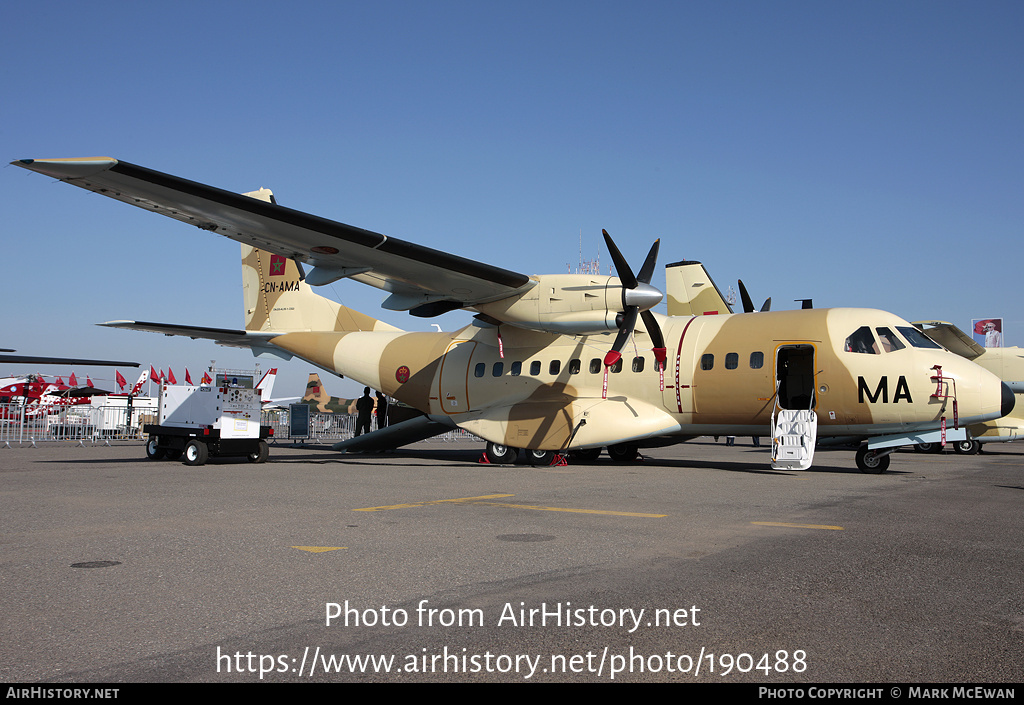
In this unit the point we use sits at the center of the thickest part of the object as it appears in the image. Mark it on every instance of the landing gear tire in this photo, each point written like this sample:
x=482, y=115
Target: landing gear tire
x=153, y=452
x=624, y=452
x=499, y=454
x=196, y=453
x=869, y=461
x=261, y=453
x=587, y=455
x=928, y=448
x=968, y=447
x=540, y=457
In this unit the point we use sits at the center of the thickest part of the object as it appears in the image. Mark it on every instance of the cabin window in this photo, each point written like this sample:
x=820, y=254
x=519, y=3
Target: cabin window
x=756, y=360
x=707, y=361
x=638, y=364
x=535, y=368
x=480, y=369
x=888, y=340
x=498, y=368
x=617, y=367
x=554, y=366
x=861, y=341
x=917, y=338
x=732, y=361
x=574, y=366
x=595, y=366
x=517, y=368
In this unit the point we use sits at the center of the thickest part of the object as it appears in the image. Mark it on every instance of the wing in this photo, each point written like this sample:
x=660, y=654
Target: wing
x=950, y=337
x=36, y=360
x=258, y=341
x=421, y=280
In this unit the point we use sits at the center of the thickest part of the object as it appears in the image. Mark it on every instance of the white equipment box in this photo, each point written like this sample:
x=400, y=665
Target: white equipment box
x=234, y=411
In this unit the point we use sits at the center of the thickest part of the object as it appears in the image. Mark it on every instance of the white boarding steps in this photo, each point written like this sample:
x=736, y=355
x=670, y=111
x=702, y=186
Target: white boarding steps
x=794, y=433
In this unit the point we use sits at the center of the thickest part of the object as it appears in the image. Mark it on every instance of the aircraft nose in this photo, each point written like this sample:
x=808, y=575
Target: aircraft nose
x=1009, y=399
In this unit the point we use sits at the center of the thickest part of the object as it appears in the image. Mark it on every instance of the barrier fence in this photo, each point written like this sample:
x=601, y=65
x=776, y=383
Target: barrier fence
x=21, y=424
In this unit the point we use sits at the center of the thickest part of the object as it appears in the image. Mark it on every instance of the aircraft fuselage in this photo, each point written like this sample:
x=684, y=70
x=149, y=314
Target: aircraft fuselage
x=725, y=375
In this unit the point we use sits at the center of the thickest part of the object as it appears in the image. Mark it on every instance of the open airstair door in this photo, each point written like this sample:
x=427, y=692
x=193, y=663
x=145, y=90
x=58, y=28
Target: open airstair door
x=794, y=423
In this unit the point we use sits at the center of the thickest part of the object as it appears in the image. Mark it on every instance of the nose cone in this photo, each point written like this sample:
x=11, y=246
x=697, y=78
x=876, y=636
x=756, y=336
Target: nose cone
x=1009, y=400
x=644, y=296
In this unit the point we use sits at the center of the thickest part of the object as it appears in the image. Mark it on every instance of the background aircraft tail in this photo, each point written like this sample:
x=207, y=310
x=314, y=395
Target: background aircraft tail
x=318, y=398
x=276, y=299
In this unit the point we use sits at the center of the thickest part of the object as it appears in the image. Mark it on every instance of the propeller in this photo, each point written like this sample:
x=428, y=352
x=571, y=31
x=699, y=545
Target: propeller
x=638, y=297
x=748, y=305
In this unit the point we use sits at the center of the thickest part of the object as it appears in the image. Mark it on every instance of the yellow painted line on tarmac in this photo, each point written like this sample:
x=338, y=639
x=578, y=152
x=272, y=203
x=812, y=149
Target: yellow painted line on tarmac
x=433, y=501
x=575, y=511
x=483, y=500
x=798, y=526
x=320, y=549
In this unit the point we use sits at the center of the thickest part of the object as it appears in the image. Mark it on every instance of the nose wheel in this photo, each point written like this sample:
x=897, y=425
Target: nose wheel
x=873, y=461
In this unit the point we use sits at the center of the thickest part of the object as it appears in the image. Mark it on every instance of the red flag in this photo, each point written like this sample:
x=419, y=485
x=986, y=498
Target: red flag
x=161, y=377
x=59, y=382
x=121, y=381
x=170, y=376
x=72, y=381
x=207, y=379
x=188, y=378
x=154, y=375
x=88, y=382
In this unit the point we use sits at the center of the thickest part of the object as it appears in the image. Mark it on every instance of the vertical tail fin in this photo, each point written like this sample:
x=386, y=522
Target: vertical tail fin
x=266, y=385
x=277, y=299
x=318, y=398
x=691, y=292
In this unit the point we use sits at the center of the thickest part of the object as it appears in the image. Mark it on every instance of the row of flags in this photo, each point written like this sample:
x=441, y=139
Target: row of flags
x=154, y=376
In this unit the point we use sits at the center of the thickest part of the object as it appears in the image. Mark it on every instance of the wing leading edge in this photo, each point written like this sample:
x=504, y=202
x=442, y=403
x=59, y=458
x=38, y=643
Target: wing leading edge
x=420, y=280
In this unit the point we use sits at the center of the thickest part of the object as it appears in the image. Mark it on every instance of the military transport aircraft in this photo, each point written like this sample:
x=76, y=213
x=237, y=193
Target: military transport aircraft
x=536, y=370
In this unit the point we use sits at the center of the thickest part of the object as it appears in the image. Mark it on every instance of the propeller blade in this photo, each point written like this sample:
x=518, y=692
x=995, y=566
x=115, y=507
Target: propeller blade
x=647, y=271
x=628, y=323
x=657, y=337
x=748, y=305
x=767, y=305
x=638, y=297
x=621, y=266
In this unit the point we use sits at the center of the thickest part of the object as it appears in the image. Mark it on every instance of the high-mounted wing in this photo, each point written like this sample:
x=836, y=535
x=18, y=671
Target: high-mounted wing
x=952, y=338
x=421, y=280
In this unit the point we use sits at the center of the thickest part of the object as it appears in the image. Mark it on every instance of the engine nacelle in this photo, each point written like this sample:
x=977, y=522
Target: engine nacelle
x=570, y=304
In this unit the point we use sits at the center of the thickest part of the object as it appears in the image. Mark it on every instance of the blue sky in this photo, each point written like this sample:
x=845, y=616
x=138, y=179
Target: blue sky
x=863, y=154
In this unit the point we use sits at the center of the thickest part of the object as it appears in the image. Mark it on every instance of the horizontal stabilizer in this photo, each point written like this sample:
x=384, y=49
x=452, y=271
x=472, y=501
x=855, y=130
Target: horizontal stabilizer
x=257, y=341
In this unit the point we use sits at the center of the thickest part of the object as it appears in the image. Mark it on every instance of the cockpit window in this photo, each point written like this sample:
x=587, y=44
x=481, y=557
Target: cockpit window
x=917, y=338
x=861, y=341
x=888, y=340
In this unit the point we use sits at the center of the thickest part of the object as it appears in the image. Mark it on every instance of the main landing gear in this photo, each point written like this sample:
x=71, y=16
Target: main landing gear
x=498, y=454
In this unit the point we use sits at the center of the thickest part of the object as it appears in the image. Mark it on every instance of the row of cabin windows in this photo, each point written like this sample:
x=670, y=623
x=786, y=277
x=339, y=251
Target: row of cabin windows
x=554, y=367
x=732, y=361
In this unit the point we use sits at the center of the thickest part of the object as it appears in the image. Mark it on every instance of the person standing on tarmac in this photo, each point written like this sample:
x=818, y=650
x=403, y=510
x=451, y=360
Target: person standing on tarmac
x=364, y=412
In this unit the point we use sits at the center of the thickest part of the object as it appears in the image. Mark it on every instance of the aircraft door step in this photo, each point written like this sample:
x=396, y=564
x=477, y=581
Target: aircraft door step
x=794, y=433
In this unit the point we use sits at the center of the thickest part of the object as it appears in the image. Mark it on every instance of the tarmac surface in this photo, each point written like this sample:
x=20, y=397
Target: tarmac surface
x=698, y=564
